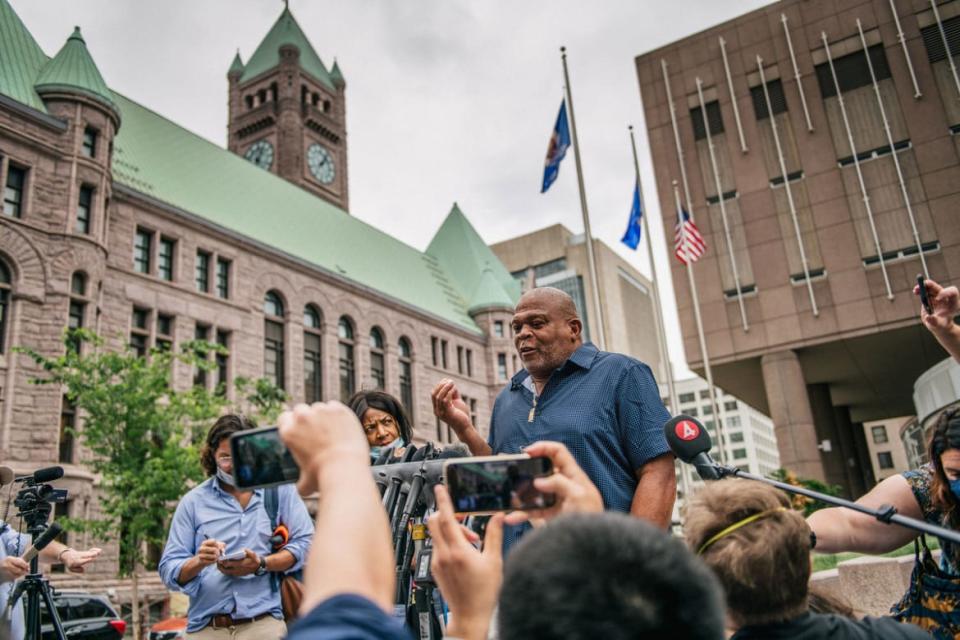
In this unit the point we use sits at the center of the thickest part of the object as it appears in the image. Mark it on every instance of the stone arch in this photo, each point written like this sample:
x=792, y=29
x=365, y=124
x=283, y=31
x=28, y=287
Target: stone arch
x=28, y=269
x=279, y=283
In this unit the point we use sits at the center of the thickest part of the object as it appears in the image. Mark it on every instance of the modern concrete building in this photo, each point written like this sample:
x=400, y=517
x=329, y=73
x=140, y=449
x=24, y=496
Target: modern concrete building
x=937, y=390
x=117, y=219
x=556, y=257
x=887, y=453
x=818, y=211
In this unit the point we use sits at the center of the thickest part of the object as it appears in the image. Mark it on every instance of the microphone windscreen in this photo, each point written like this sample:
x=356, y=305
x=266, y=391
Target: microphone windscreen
x=42, y=541
x=686, y=437
x=6, y=476
x=47, y=474
x=458, y=450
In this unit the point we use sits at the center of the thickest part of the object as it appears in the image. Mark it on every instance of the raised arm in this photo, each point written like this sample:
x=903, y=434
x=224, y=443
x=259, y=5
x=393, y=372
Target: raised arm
x=945, y=304
x=449, y=406
x=840, y=529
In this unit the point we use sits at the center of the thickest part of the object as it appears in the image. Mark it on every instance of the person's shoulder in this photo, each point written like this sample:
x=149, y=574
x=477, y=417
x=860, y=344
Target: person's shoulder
x=347, y=617
x=619, y=360
x=883, y=627
x=197, y=493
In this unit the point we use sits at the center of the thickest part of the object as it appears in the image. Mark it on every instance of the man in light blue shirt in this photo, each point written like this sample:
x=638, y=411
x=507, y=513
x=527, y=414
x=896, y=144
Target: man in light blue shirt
x=232, y=599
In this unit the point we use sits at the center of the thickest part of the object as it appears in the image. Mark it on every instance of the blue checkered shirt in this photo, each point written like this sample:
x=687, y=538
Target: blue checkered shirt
x=605, y=407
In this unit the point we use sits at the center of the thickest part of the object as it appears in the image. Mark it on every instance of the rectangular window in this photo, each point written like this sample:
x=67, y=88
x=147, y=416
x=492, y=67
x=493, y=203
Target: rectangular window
x=312, y=367
x=736, y=437
x=140, y=331
x=885, y=460
x=165, y=259
x=498, y=328
x=68, y=422
x=89, y=147
x=704, y=394
x=707, y=410
x=739, y=454
x=879, y=434
x=84, y=209
x=223, y=360
x=273, y=353
x=733, y=421
x=13, y=193
x=347, y=378
x=688, y=397
x=142, y=248
x=852, y=71
x=692, y=411
x=778, y=102
x=434, y=349
x=502, y=366
x=730, y=405
x=377, y=370
x=78, y=310
x=406, y=386
x=203, y=271
x=714, y=119
x=460, y=360
x=470, y=362
x=443, y=352
x=201, y=333
x=549, y=268
x=165, y=326
x=223, y=278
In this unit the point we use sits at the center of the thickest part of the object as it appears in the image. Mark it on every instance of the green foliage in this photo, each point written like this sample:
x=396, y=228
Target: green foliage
x=264, y=399
x=803, y=503
x=144, y=434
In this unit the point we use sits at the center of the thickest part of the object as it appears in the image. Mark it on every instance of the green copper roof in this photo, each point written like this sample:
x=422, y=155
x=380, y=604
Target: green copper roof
x=267, y=56
x=73, y=69
x=164, y=161
x=21, y=59
x=336, y=76
x=489, y=293
x=237, y=65
x=463, y=255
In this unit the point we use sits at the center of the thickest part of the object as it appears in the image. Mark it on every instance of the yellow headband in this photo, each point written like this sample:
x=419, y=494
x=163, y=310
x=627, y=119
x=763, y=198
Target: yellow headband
x=737, y=525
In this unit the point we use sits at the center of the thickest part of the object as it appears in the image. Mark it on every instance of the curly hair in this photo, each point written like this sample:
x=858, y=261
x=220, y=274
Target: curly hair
x=944, y=435
x=363, y=400
x=764, y=566
x=224, y=427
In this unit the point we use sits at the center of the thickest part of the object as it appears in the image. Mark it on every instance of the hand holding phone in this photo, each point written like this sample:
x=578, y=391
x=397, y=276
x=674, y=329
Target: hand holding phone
x=235, y=555
x=490, y=484
x=260, y=459
x=924, y=294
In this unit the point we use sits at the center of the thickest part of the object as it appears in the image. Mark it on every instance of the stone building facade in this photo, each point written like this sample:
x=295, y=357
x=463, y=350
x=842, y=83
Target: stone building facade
x=116, y=219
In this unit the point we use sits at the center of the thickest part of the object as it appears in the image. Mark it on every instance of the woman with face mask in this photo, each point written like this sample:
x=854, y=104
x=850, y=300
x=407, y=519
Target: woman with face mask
x=930, y=493
x=384, y=421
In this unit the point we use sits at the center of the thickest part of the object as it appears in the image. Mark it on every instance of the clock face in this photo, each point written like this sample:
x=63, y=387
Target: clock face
x=321, y=164
x=260, y=153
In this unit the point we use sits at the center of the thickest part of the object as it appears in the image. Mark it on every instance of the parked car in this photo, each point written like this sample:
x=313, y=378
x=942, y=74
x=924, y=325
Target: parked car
x=84, y=616
x=169, y=629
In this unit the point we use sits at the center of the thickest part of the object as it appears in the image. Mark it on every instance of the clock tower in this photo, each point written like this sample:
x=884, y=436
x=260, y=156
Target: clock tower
x=287, y=112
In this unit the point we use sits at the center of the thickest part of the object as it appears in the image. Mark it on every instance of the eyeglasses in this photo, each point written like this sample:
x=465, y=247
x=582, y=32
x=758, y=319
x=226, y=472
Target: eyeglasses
x=224, y=457
x=386, y=422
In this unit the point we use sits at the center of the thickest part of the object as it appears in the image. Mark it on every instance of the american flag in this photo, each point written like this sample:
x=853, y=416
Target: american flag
x=687, y=240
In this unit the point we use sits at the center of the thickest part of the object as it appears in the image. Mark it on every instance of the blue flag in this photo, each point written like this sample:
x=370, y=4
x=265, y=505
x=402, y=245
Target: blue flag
x=557, y=149
x=631, y=237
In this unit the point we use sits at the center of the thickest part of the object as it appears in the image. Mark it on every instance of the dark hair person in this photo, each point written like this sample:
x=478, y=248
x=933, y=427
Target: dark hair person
x=759, y=548
x=222, y=429
x=384, y=421
x=930, y=493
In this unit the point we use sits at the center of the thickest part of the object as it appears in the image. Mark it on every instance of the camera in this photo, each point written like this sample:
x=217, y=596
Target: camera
x=34, y=501
x=485, y=485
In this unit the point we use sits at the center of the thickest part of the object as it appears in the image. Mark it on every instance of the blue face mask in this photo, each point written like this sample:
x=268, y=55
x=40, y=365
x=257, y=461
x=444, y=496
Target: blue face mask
x=226, y=478
x=955, y=488
x=376, y=451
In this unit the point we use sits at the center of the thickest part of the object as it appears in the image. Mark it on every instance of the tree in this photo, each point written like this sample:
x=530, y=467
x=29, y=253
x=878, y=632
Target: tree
x=264, y=399
x=803, y=503
x=143, y=433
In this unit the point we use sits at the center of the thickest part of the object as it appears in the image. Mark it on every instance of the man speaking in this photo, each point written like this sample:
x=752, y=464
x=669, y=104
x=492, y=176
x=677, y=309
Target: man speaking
x=605, y=407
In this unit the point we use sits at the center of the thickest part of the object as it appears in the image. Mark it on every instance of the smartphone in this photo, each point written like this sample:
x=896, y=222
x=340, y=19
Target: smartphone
x=924, y=296
x=488, y=484
x=260, y=459
x=236, y=555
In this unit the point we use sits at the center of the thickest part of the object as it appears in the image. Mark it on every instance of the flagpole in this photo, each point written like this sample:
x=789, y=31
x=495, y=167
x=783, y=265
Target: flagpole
x=591, y=261
x=657, y=309
x=703, y=342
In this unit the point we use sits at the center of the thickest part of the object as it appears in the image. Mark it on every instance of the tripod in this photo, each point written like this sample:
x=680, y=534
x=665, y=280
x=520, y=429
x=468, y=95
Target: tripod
x=34, y=587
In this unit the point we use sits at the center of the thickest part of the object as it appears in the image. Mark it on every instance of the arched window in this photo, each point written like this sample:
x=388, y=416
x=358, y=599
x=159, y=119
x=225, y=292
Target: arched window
x=6, y=283
x=312, y=358
x=378, y=371
x=406, y=375
x=78, y=306
x=347, y=378
x=273, y=343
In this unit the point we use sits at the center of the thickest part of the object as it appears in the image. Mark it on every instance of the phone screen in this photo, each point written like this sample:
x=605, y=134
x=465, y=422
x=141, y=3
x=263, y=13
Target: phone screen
x=260, y=459
x=483, y=486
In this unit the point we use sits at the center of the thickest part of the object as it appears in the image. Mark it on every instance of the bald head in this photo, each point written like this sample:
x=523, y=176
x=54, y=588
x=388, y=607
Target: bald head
x=550, y=298
x=546, y=330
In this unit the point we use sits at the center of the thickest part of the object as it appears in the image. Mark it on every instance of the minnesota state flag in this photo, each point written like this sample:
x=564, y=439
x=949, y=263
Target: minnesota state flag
x=557, y=149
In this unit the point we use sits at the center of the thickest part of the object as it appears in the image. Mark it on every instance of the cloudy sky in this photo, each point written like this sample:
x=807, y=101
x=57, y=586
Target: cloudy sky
x=447, y=100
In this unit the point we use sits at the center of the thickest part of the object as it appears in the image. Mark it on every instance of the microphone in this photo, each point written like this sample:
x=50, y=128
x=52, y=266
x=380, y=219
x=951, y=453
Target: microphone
x=458, y=450
x=6, y=476
x=690, y=442
x=42, y=541
x=40, y=476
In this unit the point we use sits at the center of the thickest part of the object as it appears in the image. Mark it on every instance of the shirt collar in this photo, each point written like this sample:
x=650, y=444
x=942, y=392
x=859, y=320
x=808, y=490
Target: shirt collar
x=582, y=357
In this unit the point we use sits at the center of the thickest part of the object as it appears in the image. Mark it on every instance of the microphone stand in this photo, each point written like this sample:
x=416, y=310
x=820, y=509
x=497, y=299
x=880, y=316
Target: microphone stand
x=886, y=513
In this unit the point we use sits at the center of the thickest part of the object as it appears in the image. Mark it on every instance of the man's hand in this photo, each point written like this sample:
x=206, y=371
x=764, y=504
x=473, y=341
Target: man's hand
x=945, y=303
x=448, y=405
x=468, y=579
x=210, y=551
x=574, y=491
x=75, y=561
x=13, y=568
x=322, y=431
x=243, y=567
